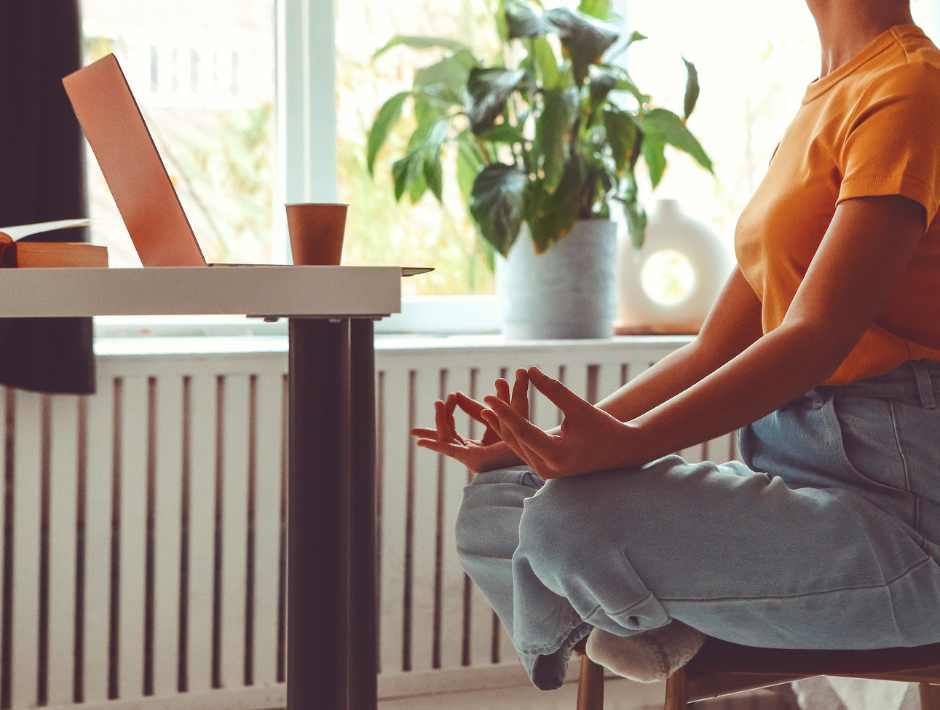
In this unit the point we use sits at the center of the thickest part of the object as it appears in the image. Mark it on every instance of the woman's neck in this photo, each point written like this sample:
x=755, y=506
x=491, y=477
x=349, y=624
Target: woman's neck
x=846, y=26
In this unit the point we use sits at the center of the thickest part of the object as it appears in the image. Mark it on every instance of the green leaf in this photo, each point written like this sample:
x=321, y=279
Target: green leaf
x=625, y=82
x=417, y=184
x=420, y=168
x=489, y=90
x=622, y=133
x=447, y=79
x=497, y=204
x=546, y=63
x=503, y=133
x=418, y=42
x=434, y=176
x=502, y=28
x=674, y=132
x=602, y=82
x=551, y=128
x=654, y=153
x=601, y=9
x=636, y=223
x=692, y=88
x=584, y=40
x=400, y=170
x=523, y=21
x=636, y=37
x=469, y=164
x=431, y=151
x=556, y=213
x=385, y=119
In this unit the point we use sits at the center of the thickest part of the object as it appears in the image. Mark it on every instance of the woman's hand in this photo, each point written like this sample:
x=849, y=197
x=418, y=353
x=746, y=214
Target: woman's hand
x=589, y=440
x=485, y=454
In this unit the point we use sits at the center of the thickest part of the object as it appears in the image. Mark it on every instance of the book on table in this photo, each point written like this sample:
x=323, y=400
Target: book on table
x=16, y=253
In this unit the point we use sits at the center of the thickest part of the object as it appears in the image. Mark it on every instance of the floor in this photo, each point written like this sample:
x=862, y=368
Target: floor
x=620, y=695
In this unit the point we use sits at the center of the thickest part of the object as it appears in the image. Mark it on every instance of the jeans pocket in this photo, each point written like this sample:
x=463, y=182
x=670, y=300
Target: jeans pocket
x=864, y=434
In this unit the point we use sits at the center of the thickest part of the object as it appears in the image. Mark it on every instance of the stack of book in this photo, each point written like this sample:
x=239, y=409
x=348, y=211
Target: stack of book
x=15, y=253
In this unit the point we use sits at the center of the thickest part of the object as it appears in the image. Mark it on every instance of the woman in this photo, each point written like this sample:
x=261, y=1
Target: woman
x=824, y=348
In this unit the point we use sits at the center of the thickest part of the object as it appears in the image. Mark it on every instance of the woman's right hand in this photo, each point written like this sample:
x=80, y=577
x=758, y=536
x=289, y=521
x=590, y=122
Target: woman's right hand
x=487, y=453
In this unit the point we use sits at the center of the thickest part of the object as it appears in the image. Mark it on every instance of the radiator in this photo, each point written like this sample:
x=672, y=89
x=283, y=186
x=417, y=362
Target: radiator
x=143, y=546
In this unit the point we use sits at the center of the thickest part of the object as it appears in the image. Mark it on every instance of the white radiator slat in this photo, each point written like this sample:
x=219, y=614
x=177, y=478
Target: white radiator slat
x=481, y=615
x=452, y=575
x=63, y=494
x=133, y=445
x=269, y=433
x=234, y=518
x=426, y=383
x=168, y=444
x=25, y=589
x=202, y=455
x=98, y=511
x=608, y=378
x=395, y=442
x=576, y=379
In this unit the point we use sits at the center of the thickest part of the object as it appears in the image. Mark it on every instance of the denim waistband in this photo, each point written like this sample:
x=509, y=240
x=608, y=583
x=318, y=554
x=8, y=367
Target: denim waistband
x=915, y=382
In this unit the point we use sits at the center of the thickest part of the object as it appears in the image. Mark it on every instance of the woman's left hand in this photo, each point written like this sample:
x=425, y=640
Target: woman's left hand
x=589, y=440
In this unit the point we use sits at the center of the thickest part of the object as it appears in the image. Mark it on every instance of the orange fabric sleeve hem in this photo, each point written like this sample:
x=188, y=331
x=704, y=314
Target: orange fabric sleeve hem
x=907, y=186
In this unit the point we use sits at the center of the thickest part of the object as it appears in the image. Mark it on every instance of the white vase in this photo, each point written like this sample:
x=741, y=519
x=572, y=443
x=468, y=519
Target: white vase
x=567, y=292
x=707, y=266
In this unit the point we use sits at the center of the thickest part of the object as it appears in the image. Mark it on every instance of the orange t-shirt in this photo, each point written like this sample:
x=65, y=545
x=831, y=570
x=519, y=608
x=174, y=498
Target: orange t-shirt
x=871, y=127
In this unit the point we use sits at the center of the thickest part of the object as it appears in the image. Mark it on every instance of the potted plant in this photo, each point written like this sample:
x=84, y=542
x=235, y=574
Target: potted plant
x=547, y=143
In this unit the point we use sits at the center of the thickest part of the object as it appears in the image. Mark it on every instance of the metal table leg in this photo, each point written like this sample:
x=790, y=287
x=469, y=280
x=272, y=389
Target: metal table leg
x=363, y=649
x=331, y=563
x=318, y=515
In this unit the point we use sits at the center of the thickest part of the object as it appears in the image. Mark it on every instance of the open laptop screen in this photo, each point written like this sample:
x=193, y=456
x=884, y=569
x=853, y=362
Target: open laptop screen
x=135, y=173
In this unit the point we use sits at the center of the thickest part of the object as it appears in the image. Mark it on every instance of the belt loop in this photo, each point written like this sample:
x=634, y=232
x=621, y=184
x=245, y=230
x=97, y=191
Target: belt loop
x=924, y=386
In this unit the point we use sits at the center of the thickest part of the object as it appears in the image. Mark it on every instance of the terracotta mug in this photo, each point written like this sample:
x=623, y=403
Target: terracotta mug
x=316, y=233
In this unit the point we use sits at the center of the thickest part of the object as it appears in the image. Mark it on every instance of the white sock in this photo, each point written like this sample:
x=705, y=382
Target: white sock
x=647, y=657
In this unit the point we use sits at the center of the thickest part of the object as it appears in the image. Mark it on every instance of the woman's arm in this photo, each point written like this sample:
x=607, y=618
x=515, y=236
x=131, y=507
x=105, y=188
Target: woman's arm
x=733, y=323
x=866, y=249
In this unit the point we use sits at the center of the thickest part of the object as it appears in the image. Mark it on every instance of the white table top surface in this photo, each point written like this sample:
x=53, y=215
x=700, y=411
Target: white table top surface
x=318, y=291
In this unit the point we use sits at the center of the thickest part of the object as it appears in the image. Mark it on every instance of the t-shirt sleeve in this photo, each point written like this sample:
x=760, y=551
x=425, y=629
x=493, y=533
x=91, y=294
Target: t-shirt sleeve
x=892, y=144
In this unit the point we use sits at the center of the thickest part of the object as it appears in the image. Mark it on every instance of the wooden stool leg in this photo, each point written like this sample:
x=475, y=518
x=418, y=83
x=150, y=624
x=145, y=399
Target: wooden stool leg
x=929, y=696
x=590, y=685
x=677, y=691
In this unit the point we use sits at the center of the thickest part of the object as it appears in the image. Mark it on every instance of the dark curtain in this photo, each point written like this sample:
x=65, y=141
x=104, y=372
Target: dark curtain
x=42, y=179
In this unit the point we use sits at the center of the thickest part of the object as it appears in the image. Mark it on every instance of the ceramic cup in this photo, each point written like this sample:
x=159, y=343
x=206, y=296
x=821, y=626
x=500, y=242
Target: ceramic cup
x=316, y=233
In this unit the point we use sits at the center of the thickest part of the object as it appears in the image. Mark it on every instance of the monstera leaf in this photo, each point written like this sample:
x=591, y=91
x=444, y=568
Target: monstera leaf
x=489, y=89
x=498, y=204
x=584, y=41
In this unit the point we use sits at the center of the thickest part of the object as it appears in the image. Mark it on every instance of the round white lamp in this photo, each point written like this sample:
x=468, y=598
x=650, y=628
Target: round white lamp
x=670, y=284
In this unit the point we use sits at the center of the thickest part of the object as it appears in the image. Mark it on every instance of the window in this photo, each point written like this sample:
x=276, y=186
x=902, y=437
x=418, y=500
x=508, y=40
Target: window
x=204, y=74
x=381, y=231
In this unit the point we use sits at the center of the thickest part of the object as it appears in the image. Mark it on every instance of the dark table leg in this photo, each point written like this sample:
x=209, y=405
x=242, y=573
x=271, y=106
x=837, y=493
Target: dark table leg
x=363, y=649
x=318, y=516
x=331, y=562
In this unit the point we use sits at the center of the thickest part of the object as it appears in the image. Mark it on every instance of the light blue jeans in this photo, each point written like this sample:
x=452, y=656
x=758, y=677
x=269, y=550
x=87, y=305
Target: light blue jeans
x=826, y=536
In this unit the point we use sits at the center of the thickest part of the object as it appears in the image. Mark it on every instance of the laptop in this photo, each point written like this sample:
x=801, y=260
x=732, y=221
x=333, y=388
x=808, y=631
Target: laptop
x=133, y=169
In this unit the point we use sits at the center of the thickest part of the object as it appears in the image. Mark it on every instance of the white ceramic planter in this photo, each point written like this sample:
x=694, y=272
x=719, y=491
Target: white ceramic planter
x=567, y=292
x=671, y=230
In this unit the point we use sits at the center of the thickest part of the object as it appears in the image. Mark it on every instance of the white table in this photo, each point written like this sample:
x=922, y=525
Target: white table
x=331, y=601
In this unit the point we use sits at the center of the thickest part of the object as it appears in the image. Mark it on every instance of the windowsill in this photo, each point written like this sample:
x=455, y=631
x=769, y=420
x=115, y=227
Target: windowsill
x=238, y=345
